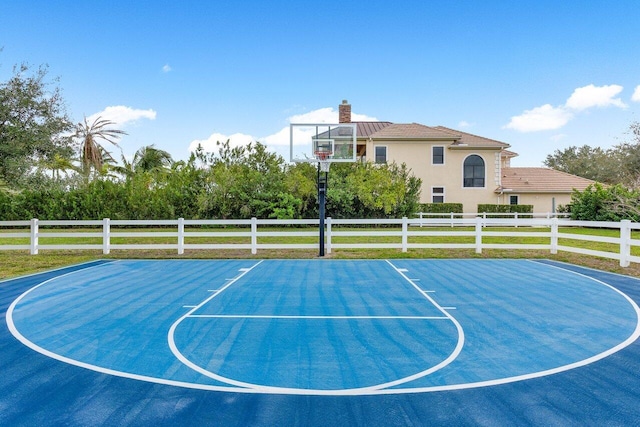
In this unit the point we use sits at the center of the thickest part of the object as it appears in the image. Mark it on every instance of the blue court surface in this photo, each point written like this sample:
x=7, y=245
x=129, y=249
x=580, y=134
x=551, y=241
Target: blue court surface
x=320, y=342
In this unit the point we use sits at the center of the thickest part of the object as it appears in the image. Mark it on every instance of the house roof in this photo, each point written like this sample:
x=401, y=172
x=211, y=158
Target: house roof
x=509, y=154
x=365, y=129
x=540, y=180
x=408, y=131
x=473, y=140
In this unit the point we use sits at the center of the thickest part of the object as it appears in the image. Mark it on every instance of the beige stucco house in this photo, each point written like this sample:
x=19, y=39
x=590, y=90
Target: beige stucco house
x=459, y=167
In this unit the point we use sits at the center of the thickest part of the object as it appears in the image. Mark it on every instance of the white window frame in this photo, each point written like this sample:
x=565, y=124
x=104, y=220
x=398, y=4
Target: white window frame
x=375, y=154
x=443, y=155
x=434, y=194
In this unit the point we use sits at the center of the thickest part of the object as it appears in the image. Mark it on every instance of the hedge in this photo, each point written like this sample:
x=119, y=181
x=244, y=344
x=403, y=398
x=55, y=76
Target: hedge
x=489, y=208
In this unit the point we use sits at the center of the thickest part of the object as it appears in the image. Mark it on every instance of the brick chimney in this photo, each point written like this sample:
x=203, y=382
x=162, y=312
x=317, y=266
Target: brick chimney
x=344, y=112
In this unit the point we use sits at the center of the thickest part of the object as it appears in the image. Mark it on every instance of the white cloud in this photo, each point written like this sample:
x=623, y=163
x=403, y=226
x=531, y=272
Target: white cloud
x=321, y=115
x=464, y=124
x=121, y=115
x=282, y=137
x=548, y=117
x=545, y=117
x=595, y=96
x=327, y=115
x=558, y=137
x=210, y=144
x=636, y=94
x=166, y=68
x=278, y=141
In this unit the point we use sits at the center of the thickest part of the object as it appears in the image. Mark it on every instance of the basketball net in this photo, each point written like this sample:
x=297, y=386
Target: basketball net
x=322, y=157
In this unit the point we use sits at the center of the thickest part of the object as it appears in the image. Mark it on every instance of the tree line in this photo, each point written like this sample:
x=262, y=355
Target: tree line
x=51, y=168
x=616, y=194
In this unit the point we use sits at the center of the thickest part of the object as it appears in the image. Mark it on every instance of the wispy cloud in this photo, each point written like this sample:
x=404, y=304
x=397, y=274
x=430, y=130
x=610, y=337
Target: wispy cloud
x=122, y=115
x=464, y=124
x=636, y=94
x=166, y=68
x=548, y=117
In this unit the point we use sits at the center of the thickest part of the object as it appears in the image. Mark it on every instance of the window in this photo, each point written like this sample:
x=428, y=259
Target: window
x=474, y=171
x=437, y=194
x=437, y=155
x=513, y=200
x=381, y=154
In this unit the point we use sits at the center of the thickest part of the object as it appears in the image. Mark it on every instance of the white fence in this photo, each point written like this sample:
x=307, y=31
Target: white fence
x=259, y=234
x=452, y=216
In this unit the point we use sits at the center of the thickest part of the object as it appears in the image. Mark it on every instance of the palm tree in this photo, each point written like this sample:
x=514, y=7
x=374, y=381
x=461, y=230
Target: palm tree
x=151, y=159
x=58, y=165
x=93, y=154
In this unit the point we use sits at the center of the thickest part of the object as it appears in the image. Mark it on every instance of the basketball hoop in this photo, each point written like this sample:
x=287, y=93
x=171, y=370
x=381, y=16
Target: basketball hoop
x=322, y=157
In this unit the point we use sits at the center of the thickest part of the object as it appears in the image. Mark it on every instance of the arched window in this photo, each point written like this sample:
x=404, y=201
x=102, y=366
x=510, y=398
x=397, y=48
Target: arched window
x=474, y=171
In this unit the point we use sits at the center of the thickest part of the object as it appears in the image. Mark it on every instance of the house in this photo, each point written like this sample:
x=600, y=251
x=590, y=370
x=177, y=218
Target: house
x=459, y=167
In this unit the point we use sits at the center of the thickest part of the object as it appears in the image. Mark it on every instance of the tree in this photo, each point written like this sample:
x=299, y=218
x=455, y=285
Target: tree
x=591, y=163
x=93, y=154
x=617, y=165
x=627, y=155
x=605, y=203
x=243, y=182
x=33, y=123
x=151, y=159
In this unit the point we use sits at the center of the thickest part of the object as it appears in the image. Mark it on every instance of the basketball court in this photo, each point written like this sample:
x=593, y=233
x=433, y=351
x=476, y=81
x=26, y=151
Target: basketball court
x=320, y=342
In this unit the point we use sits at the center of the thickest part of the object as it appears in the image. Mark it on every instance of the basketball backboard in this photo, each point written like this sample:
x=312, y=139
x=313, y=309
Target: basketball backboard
x=314, y=142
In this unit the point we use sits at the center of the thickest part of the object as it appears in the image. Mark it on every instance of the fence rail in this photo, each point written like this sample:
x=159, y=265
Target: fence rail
x=254, y=234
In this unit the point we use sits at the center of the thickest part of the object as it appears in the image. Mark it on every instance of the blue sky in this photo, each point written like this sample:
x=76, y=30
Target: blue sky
x=539, y=75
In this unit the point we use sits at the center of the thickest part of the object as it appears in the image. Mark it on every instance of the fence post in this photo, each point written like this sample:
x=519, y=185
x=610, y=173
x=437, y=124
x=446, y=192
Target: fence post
x=180, y=236
x=554, y=236
x=327, y=222
x=106, y=236
x=515, y=216
x=405, y=230
x=479, y=235
x=420, y=219
x=451, y=219
x=254, y=235
x=625, y=242
x=34, y=237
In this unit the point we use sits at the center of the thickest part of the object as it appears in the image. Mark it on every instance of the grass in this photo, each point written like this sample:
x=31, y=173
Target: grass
x=17, y=263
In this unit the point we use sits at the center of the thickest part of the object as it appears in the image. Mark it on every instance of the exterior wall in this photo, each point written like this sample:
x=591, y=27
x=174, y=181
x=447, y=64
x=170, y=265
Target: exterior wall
x=417, y=156
x=542, y=202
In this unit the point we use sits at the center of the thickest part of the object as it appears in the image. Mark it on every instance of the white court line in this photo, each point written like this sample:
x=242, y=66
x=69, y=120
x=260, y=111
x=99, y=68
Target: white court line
x=445, y=362
x=244, y=316
x=630, y=340
x=303, y=391
x=174, y=348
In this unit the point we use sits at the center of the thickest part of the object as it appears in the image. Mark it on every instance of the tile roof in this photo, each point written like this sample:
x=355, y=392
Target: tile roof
x=540, y=180
x=473, y=140
x=411, y=131
x=507, y=153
